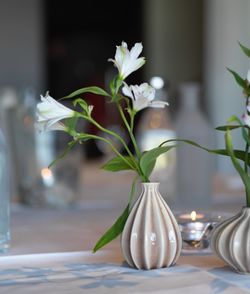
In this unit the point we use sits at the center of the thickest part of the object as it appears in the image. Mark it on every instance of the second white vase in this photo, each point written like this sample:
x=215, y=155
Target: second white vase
x=151, y=237
x=231, y=239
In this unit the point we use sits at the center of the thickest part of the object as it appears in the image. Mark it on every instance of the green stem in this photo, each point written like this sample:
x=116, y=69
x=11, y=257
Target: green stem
x=91, y=120
x=137, y=151
x=246, y=158
x=246, y=155
x=246, y=171
x=111, y=145
x=119, y=138
x=132, y=119
x=248, y=200
x=246, y=168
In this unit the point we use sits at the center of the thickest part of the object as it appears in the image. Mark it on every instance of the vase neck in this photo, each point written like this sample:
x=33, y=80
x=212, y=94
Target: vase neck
x=245, y=210
x=150, y=186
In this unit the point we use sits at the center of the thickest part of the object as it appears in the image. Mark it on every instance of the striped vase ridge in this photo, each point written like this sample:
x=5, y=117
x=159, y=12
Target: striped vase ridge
x=230, y=240
x=151, y=237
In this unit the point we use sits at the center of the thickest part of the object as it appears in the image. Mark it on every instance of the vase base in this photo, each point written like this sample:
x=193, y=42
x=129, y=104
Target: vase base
x=242, y=273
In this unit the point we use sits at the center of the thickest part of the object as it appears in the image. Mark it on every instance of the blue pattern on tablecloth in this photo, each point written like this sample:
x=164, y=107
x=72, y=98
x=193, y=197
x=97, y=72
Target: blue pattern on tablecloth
x=112, y=276
x=229, y=276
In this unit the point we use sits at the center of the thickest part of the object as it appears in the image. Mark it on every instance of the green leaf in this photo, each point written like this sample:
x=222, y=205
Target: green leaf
x=118, y=226
x=84, y=105
x=245, y=49
x=114, y=231
x=240, y=154
x=241, y=82
x=132, y=191
x=70, y=145
x=148, y=159
x=234, y=118
x=112, y=86
x=117, y=164
x=244, y=176
x=243, y=127
x=71, y=124
x=93, y=90
x=228, y=127
x=118, y=84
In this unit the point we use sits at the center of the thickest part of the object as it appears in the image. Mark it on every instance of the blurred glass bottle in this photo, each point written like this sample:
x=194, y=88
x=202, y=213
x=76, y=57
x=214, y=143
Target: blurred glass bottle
x=8, y=100
x=4, y=195
x=38, y=185
x=155, y=127
x=194, y=166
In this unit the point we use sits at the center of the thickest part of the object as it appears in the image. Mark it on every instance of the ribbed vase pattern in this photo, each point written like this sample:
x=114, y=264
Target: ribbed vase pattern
x=151, y=237
x=231, y=241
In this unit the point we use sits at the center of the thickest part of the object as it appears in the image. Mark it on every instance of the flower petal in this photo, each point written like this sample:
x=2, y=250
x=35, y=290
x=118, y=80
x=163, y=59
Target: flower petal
x=50, y=112
x=147, y=91
x=121, y=52
x=141, y=95
x=127, y=91
x=158, y=104
x=127, y=61
x=136, y=50
x=140, y=103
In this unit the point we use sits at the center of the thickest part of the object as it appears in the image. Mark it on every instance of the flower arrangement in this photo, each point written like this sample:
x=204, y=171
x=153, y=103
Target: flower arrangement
x=53, y=115
x=234, y=123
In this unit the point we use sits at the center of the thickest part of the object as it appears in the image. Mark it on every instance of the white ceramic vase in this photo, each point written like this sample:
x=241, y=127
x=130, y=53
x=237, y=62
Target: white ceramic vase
x=151, y=237
x=230, y=240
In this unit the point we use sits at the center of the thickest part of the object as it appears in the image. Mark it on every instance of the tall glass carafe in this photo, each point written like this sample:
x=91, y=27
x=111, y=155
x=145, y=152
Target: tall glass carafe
x=194, y=166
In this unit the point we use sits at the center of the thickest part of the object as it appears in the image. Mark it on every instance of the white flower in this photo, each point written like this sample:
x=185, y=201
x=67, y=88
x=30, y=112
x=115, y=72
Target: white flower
x=127, y=61
x=142, y=96
x=90, y=109
x=246, y=119
x=248, y=76
x=43, y=126
x=50, y=113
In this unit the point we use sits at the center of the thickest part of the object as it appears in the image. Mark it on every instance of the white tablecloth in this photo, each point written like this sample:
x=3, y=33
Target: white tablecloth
x=105, y=272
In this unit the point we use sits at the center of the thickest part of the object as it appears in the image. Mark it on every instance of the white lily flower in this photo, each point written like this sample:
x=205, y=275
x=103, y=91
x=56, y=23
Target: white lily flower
x=43, y=127
x=142, y=96
x=50, y=113
x=248, y=76
x=90, y=109
x=127, y=61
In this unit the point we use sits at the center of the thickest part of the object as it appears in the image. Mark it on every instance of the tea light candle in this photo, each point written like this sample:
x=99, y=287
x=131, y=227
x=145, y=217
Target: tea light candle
x=47, y=177
x=195, y=229
x=192, y=216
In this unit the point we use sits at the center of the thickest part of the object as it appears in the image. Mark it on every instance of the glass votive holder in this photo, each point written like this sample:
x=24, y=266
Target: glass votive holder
x=196, y=229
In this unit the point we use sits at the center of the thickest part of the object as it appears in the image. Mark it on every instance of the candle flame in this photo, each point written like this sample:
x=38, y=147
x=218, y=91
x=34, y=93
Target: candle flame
x=46, y=173
x=193, y=215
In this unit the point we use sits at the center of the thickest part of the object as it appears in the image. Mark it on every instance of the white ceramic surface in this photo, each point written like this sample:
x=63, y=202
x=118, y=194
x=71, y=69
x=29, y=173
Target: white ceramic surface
x=231, y=241
x=151, y=237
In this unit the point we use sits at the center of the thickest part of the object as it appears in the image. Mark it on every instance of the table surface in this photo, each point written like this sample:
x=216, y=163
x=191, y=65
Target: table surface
x=51, y=253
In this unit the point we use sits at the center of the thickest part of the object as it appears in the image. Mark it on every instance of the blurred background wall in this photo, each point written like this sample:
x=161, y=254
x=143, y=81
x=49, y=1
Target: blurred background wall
x=22, y=45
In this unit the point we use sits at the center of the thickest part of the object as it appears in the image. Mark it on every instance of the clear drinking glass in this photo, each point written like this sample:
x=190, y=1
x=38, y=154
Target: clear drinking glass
x=4, y=196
